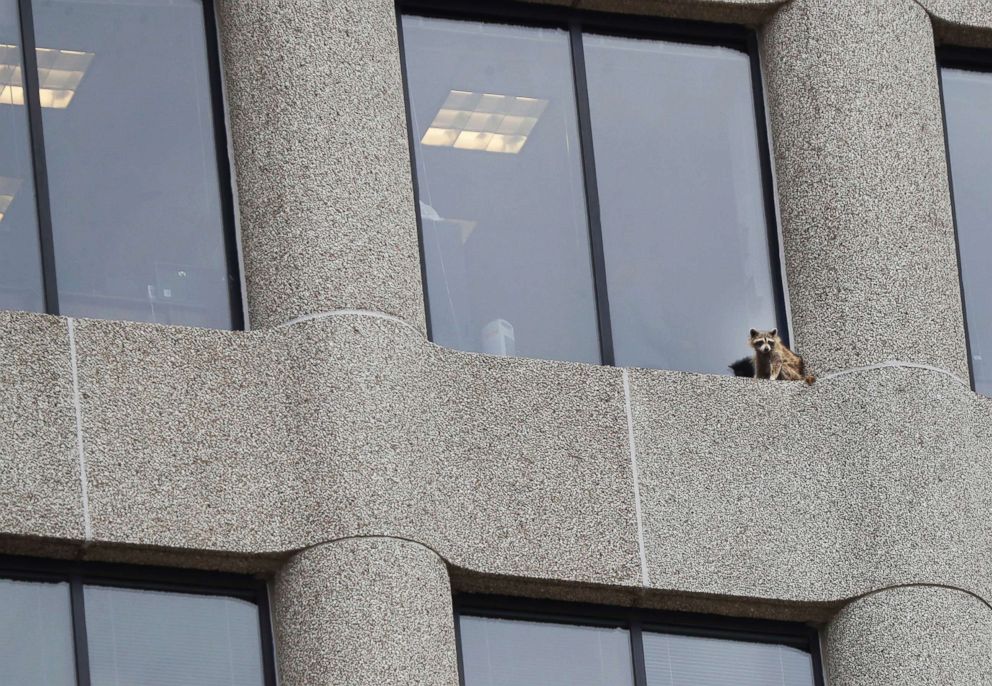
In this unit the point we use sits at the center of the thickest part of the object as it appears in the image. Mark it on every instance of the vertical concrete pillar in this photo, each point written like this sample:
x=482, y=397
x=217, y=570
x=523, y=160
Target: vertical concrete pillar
x=859, y=153
x=321, y=158
x=365, y=611
x=919, y=635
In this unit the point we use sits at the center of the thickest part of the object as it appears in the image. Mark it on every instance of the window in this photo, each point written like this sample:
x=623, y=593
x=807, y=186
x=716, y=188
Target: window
x=589, y=187
x=115, y=192
x=97, y=625
x=510, y=642
x=966, y=78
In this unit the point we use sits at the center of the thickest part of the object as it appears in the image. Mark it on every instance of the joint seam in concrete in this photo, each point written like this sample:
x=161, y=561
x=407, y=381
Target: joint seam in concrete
x=349, y=313
x=77, y=406
x=897, y=364
x=645, y=577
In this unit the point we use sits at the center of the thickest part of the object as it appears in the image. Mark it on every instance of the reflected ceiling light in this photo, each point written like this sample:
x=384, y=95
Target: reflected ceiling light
x=484, y=121
x=8, y=189
x=59, y=74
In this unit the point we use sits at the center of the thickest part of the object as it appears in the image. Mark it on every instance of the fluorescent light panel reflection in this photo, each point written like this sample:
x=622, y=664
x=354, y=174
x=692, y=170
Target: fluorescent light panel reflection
x=484, y=121
x=8, y=189
x=59, y=74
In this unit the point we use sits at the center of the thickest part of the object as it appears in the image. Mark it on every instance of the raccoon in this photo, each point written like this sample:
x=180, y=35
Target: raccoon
x=773, y=359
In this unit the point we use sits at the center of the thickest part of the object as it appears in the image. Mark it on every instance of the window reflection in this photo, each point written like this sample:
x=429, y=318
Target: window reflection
x=156, y=638
x=502, y=201
x=21, y=286
x=672, y=660
x=967, y=103
x=136, y=194
x=502, y=652
x=36, y=646
x=681, y=199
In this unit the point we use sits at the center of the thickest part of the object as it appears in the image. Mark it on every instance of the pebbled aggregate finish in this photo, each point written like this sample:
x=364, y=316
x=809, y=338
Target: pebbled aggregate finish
x=40, y=488
x=780, y=490
x=365, y=612
x=862, y=177
x=318, y=123
x=922, y=635
x=356, y=426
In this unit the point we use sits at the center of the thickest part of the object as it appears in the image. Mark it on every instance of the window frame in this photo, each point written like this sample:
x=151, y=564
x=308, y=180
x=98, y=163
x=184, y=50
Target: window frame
x=221, y=151
x=78, y=574
x=578, y=22
x=636, y=621
x=968, y=59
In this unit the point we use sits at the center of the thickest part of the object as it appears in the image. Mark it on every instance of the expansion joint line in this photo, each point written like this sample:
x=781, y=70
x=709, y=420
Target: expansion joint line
x=373, y=314
x=645, y=578
x=77, y=405
x=896, y=364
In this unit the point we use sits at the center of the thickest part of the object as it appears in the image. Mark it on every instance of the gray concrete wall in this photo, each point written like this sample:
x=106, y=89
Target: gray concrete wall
x=921, y=635
x=365, y=612
x=140, y=441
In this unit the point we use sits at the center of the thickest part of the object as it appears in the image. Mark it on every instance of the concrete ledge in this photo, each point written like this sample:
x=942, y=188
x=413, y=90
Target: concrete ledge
x=259, y=444
x=40, y=486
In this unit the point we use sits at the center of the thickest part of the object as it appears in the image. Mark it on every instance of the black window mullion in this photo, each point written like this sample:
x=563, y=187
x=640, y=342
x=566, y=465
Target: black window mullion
x=768, y=186
x=79, y=642
x=238, y=314
x=592, y=194
x=637, y=652
x=32, y=100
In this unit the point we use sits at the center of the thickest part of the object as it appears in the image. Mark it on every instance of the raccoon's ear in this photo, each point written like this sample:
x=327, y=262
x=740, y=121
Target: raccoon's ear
x=773, y=333
x=754, y=332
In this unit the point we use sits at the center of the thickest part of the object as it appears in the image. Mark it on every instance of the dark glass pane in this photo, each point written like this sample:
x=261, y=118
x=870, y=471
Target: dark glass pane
x=133, y=174
x=502, y=202
x=36, y=634
x=684, y=226
x=21, y=285
x=154, y=638
x=968, y=106
x=502, y=652
x=692, y=661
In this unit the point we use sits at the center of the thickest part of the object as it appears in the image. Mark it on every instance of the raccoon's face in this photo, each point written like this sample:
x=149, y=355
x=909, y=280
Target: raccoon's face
x=764, y=341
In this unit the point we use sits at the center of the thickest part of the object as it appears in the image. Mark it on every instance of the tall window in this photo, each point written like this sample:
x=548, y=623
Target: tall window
x=115, y=198
x=505, y=642
x=967, y=88
x=96, y=625
x=591, y=188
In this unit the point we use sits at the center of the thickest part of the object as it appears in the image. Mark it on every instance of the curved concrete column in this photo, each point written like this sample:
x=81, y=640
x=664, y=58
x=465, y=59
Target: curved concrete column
x=323, y=168
x=365, y=611
x=921, y=635
x=866, y=216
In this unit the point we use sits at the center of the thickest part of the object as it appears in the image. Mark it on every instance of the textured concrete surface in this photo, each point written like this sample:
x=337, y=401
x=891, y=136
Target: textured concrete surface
x=778, y=490
x=356, y=426
x=366, y=611
x=323, y=168
x=976, y=14
x=40, y=488
x=866, y=217
x=924, y=636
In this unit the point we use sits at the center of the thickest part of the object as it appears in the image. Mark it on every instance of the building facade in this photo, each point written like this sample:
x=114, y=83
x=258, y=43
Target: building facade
x=372, y=477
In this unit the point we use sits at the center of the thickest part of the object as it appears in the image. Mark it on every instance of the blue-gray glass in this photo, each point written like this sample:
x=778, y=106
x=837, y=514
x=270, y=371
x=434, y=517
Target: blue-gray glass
x=968, y=108
x=36, y=634
x=692, y=661
x=503, y=652
x=132, y=162
x=679, y=172
x=155, y=638
x=20, y=256
x=502, y=202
